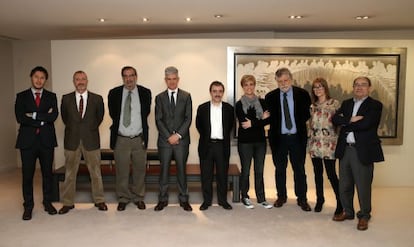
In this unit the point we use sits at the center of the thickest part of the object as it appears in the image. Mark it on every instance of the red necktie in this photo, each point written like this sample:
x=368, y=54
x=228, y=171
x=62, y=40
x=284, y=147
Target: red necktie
x=37, y=100
x=81, y=106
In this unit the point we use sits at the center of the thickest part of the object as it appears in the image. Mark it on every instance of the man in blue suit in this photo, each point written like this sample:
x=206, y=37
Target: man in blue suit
x=36, y=111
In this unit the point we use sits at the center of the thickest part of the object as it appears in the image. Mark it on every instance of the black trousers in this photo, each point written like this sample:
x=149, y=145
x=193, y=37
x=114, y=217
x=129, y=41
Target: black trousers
x=214, y=160
x=318, y=164
x=290, y=146
x=29, y=157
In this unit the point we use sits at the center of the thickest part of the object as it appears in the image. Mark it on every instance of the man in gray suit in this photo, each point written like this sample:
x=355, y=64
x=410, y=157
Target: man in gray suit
x=82, y=113
x=173, y=116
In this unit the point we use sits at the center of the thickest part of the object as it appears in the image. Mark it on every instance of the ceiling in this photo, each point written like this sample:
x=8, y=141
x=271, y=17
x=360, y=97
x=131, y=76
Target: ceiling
x=78, y=19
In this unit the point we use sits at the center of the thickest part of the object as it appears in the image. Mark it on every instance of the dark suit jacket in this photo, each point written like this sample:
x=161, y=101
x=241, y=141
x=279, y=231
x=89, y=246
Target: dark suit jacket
x=25, y=103
x=368, y=144
x=86, y=128
x=169, y=122
x=204, y=128
x=302, y=103
x=115, y=104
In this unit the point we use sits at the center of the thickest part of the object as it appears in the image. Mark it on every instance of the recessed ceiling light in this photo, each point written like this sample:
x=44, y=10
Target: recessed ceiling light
x=295, y=17
x=218, y=16
x=362, y=17
x=101, y=20
x=188, y=19
x=145, y=19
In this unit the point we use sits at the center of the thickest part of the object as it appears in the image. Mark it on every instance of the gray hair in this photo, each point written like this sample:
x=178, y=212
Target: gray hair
x=283, y=71
x=171, y=70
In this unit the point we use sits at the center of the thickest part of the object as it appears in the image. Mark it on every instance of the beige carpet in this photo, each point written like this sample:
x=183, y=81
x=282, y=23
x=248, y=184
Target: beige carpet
x=287, y=226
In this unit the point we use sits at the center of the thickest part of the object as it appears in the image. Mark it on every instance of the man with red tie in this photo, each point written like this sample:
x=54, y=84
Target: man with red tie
x=82, y=112
x=36, y=111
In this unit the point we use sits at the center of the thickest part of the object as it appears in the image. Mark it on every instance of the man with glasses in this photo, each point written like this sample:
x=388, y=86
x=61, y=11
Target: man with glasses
x=358, y=148
x=129, y=106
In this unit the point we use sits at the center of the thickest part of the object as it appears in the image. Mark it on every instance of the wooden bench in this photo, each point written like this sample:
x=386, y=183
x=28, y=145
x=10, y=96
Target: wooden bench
x=152, y=174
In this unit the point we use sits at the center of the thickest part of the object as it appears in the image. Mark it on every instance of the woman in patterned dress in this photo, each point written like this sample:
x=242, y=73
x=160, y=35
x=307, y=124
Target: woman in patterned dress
x=322, y=141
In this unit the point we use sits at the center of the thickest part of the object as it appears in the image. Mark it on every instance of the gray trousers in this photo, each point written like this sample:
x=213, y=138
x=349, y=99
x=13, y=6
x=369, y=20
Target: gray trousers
x=352, y=173
x=130, y=153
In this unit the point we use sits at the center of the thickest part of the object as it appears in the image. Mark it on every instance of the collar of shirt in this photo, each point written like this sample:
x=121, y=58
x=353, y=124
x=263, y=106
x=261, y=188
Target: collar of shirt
x=34, y=91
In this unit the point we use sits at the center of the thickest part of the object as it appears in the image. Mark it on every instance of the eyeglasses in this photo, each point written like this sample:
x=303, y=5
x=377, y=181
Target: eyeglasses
x=361, y=85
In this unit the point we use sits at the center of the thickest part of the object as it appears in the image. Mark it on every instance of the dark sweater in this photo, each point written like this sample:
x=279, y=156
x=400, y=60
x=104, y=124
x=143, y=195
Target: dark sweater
x=255, y=133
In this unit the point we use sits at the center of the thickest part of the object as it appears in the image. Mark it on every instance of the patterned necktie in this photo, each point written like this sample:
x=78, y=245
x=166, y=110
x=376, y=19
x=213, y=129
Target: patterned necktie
x=81, y=106
x=172, y=102
x=37, y=100
x=288, y=120
x=127, y=111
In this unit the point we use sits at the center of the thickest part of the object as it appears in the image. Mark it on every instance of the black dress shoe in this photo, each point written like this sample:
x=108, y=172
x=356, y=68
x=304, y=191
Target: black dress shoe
x=49, y=208
x=318, y=207
x=279, y=202
x=121, y=206
x=205, y=206
x=101, y=206
x=161, y=205
x=27, y=214
x=186, y=206
x=304, y=206
x=140, y=205
x=65, y=209
x=226, y=205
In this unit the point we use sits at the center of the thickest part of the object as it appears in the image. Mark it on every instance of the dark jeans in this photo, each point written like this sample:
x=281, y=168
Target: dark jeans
x=293, y=147
x=257, y=152
x=330, y=172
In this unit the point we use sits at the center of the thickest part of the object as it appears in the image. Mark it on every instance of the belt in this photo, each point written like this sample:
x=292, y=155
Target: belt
x=131, y=137
x=216, y=140
x=350, y=144
x=289, y=134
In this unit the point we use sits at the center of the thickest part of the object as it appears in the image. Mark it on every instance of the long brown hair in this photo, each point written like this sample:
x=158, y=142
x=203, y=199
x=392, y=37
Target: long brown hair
x=324, y=84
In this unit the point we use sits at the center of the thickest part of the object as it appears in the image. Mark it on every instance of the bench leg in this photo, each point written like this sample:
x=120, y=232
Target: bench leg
x=236, y=188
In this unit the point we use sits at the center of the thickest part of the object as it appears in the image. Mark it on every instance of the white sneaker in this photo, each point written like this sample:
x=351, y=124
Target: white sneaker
x=266, y=205
x=247, y=203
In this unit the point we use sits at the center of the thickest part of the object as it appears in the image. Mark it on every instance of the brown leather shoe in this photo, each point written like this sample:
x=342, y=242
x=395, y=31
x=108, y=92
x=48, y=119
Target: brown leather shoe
x=186, y=206
x=279, y=202
x=342, y=216
x=140, y=205
x=121, y=206
x=160, y=206
x=101, y=206
x=66, y=209
x=362, y=224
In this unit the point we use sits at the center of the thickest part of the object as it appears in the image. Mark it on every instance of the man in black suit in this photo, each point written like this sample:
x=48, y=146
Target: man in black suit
x=129, y=106
x=36, y=111
x=358, y=148
x=173, y=116
x=289, y=110
x=82, y=112
x=214, y=122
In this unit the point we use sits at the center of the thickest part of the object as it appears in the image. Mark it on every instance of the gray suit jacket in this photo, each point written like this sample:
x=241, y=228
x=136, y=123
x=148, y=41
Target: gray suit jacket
x=86, y=128
x=169, y=122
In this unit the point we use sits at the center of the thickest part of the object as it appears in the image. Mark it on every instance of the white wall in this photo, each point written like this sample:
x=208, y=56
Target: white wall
x=26, y=56
x=201, y=61
x=8, y=138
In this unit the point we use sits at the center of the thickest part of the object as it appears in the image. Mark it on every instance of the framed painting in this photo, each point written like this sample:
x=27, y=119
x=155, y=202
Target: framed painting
x=339, y=66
